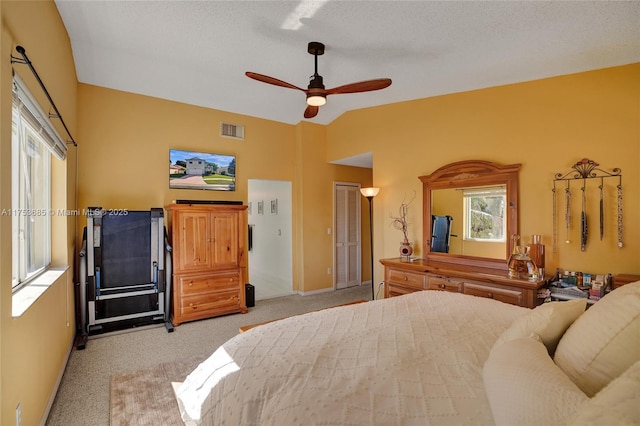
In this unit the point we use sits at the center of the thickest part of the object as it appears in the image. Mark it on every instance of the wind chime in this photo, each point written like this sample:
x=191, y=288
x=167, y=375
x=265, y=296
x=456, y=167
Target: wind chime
x=584, y=170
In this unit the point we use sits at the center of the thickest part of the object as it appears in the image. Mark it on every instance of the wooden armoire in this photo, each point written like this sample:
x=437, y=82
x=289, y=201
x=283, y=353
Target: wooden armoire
x=209, y=260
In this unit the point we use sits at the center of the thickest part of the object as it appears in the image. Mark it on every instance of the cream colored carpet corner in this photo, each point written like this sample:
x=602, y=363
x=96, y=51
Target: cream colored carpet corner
x=146, y=397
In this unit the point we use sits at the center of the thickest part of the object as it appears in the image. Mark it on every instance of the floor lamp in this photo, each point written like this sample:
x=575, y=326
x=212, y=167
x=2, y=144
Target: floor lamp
x=370, y=193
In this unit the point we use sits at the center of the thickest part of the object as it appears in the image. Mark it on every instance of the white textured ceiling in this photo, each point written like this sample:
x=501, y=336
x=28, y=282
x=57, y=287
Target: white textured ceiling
x=197, y=52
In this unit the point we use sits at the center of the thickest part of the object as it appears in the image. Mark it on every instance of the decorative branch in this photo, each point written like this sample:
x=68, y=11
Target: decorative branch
x=400, y=222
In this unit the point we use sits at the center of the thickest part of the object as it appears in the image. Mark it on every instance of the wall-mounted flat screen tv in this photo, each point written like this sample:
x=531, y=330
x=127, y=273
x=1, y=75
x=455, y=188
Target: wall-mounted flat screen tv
x=201, y=170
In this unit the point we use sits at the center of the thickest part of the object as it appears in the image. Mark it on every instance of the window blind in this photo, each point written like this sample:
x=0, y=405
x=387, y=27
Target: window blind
x=37, y=118
x=485, y=192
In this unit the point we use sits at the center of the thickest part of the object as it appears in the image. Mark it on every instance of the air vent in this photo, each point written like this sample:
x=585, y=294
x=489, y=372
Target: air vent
x=235, y=131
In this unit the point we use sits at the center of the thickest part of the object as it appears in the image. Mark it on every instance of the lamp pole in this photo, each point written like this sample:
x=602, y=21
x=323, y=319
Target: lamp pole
x=369, y=193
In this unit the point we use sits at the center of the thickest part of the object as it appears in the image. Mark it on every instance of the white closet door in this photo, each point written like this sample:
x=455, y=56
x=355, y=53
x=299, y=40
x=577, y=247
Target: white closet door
x=347, y=236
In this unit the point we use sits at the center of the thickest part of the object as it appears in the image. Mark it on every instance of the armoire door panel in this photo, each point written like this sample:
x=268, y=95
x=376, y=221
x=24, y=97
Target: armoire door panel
x=195, y=239
x=225, y=235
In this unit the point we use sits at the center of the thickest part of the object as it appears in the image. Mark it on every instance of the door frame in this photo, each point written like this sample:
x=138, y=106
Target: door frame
x=356, y=185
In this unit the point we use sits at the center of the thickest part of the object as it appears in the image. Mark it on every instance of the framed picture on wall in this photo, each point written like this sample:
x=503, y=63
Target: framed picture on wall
x=260, y=207
x=201, y=170
x=274, y=206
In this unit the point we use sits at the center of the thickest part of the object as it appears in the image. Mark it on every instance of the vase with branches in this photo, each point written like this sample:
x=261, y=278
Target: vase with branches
x=400, y=223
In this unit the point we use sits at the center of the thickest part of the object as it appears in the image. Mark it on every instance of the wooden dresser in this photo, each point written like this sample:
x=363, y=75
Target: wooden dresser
x=209, y=265
x=402, y=277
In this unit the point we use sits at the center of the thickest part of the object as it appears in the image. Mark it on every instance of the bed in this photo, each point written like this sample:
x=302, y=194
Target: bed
x=427, y=358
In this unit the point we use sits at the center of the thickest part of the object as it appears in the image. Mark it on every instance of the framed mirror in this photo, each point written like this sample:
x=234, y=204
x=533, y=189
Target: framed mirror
x=470, y=212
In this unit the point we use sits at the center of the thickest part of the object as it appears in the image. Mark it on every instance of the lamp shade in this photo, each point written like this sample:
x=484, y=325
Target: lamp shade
x=369, y=192
x=316, y=100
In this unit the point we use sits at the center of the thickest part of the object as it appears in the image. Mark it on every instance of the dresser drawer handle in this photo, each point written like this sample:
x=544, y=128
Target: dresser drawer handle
x=490, y=295
x=443, y=286
x=191, y=283
x=406, y=278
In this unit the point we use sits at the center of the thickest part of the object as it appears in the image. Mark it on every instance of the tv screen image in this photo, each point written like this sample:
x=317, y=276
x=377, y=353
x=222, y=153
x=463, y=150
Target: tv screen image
x=201, y=170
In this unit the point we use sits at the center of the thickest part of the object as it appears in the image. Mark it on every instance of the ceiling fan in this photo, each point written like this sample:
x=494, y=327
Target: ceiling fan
x=316, y=93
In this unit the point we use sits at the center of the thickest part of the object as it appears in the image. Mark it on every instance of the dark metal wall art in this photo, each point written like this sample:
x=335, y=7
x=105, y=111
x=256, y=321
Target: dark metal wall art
x=585, y=170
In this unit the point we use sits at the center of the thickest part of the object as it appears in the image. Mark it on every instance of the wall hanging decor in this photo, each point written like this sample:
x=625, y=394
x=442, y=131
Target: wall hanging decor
x=582, y=172
x=201, y=170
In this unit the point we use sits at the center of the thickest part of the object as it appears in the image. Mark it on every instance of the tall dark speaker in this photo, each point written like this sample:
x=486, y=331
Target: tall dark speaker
x=250, y=295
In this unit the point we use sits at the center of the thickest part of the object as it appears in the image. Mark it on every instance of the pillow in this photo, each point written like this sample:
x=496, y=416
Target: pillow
x=525, y=387
x=604, y=341
x=617, y=404
x=549, y=321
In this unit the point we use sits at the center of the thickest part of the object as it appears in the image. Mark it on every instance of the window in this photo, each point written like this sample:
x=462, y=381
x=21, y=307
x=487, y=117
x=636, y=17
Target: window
x=33, y=141
x=484, y=214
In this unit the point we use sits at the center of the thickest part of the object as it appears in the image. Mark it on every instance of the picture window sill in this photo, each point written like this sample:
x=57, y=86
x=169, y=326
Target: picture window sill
x=25, y=297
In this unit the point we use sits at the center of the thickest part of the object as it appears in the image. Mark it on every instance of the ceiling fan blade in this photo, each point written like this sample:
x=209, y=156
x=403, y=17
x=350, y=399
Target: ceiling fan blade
x=271, y=80
x=311, y=111
x=362, y=86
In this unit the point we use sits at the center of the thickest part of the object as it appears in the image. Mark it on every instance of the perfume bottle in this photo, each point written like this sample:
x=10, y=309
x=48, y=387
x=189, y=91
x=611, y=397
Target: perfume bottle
x=536, y=253
x=521, y=266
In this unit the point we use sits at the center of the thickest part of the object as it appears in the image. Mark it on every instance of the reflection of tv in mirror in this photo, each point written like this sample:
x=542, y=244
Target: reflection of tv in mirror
x=200, y=170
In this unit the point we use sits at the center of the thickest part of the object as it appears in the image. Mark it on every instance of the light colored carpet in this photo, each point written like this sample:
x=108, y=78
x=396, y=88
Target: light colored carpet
x=146, y=397
x=83, y=397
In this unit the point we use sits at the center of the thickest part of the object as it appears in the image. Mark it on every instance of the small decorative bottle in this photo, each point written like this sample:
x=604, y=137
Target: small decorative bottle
x=536, y=252
x=521, y=266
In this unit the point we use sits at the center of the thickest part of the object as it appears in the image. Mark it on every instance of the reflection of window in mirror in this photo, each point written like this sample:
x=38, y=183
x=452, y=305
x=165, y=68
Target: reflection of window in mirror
x=484, y=214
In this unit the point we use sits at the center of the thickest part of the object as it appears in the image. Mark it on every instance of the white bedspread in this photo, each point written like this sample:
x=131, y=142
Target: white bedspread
x=410, y=360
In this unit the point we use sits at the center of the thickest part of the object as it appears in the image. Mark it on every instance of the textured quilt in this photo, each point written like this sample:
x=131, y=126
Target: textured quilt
x=409, y=360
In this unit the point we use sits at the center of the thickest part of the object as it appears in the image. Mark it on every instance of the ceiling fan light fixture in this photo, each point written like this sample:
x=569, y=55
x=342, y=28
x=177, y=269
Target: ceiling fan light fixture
x=316, y=100
x=316, y=93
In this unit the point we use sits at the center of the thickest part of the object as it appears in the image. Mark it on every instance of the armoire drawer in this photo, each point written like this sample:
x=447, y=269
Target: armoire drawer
x=201, y=305
x=206, y=283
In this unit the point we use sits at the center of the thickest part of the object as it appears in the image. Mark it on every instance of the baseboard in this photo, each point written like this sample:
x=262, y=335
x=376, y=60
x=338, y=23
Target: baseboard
x=326, y=290
x=309, y=293
x=52, y=397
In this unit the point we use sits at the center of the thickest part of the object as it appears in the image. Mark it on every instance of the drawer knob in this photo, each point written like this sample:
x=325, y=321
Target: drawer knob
x=190, y=283
x=443, y=286
x=490, y=295
x=406, y=278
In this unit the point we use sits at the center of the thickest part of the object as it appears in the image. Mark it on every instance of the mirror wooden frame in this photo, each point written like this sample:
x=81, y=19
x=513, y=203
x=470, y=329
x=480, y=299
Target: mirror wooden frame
x=464, y=174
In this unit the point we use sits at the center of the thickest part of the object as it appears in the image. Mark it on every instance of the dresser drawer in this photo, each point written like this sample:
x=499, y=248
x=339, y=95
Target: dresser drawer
x=413, y=280
x=398, y=290
x=190, y=285
x=515, y=297
x=445, y=284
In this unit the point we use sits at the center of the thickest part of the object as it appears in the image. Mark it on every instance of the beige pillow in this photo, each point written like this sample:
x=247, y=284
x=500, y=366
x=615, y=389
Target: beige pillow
x=549, y=321
x=617, y=404
x=604, y=341
x=525, y=387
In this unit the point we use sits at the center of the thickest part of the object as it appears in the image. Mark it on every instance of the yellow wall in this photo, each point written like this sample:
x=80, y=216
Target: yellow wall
x=315, y=179
x=124, y=156
x=34, y=346
x=546, y=125
x=124, y=140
